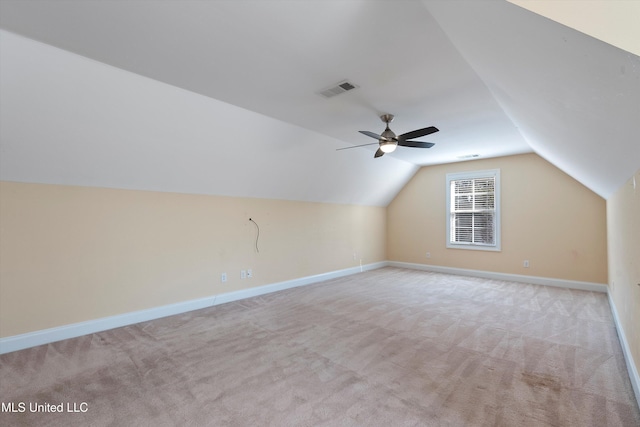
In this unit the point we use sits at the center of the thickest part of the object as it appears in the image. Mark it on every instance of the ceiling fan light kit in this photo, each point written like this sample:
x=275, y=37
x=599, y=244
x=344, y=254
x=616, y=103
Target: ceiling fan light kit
x=388, y=141
x=388, y=147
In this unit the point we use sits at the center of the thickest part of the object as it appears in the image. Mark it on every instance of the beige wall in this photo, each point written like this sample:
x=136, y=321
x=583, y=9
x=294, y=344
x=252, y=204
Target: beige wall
x=548, y=218
x=71, y=254
x=623, y=221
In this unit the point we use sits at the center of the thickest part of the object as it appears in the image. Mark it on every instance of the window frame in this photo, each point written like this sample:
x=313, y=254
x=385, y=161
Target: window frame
x=495, y=173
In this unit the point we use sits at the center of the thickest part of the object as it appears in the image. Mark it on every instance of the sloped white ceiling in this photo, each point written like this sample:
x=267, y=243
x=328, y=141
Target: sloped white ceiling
x=220, y=97
x=70, y=120
x=575, y=99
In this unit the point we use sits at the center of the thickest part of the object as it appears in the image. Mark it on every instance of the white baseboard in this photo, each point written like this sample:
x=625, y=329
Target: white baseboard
x=46, y=336
x=32, y=339
x=275, y=287
x=626, y=350
x=547, y=281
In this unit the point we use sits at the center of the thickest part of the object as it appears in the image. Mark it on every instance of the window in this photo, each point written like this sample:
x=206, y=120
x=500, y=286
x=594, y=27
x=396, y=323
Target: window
x=473, y=210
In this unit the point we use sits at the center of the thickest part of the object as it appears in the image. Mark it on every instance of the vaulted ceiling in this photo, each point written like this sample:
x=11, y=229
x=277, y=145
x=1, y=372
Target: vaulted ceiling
x=222, y=97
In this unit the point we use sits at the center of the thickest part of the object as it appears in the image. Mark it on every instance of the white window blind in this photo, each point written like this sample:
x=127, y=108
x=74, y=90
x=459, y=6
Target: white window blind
x=473, y=210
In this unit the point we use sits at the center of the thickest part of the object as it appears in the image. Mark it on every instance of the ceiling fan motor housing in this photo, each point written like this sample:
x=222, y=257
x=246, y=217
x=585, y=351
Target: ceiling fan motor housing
x=388, y=135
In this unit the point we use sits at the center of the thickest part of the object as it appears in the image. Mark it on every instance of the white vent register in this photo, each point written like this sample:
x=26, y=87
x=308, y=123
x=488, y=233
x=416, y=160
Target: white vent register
x=337, y=89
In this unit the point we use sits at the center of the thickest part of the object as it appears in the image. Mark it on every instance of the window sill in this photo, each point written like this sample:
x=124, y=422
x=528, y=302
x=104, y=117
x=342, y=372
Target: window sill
x=475, y=247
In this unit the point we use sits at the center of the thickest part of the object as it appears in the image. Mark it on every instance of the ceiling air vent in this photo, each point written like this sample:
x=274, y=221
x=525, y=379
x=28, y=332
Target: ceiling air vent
x=337, y=89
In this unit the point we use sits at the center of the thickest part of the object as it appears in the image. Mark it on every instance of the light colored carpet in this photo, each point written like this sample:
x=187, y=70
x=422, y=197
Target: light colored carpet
x=390, y=347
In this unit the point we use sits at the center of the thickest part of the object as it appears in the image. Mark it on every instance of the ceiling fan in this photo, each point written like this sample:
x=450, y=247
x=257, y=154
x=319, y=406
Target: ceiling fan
x=388, y=141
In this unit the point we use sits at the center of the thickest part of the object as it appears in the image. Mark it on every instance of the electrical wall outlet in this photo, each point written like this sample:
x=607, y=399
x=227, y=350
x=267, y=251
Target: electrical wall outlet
x=525, y=263
x=428, y=254
x=249, y=273
x=243, y=274
x=223, y=277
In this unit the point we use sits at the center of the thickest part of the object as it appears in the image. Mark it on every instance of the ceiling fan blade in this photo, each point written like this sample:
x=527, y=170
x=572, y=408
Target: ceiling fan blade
x=354, y=146
x=371, y=134
x=416, y=144
x=418, y=133
x=379, y=153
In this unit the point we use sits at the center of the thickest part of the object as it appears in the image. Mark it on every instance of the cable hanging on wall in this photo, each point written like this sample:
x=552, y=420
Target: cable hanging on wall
x=257, y=235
